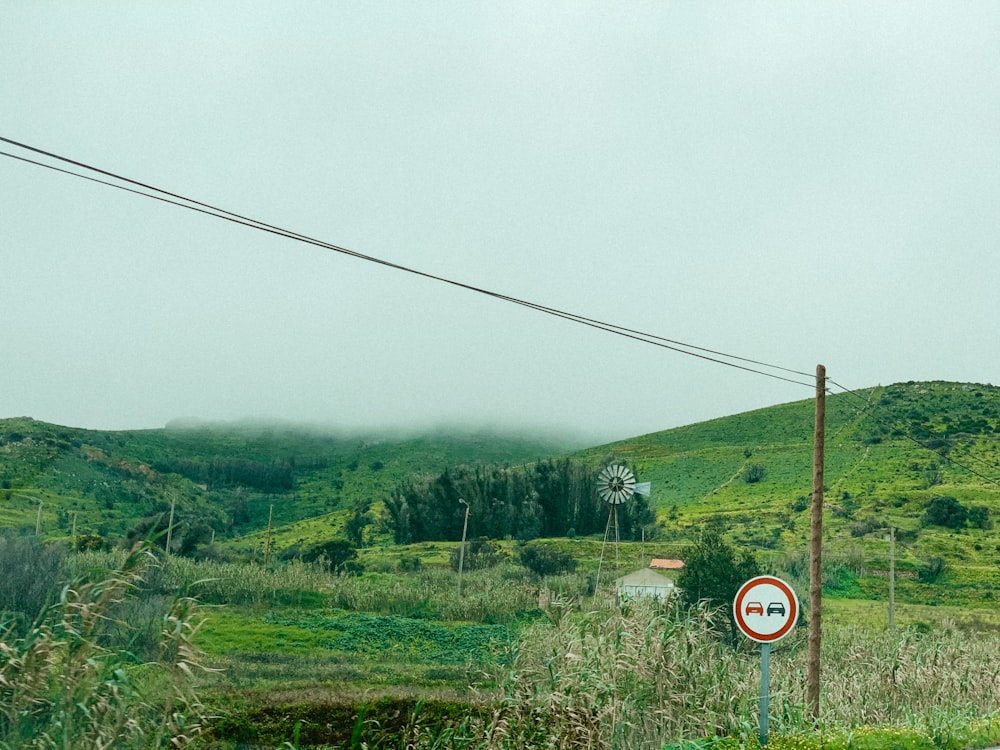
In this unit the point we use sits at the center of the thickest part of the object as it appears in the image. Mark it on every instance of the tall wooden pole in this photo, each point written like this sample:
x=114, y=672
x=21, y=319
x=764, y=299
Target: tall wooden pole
x=892, y=579
x=816, y=549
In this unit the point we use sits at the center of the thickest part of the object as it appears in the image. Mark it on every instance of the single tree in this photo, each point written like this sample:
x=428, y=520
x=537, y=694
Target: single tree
x=714, y=571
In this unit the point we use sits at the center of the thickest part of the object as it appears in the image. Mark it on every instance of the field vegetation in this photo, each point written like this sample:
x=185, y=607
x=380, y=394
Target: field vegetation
x=344, y=623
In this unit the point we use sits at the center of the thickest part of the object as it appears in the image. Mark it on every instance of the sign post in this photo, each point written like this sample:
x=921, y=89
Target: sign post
x=766, y=610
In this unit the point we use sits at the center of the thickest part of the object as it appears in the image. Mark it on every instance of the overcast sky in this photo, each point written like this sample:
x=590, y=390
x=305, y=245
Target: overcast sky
x=796, y=183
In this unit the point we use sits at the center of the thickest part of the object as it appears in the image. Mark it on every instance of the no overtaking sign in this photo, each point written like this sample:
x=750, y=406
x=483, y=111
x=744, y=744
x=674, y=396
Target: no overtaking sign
x=765, y=609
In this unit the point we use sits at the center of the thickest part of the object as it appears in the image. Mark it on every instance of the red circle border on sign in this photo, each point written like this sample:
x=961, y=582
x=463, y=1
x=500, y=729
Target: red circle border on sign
x=781, y=632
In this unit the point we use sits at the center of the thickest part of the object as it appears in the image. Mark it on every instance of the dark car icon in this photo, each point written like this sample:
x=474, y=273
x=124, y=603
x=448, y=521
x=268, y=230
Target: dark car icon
x=775, y=608
x=755, y=608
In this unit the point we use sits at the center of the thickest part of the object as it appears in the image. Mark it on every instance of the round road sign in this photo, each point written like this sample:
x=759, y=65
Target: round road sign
x=765, y=609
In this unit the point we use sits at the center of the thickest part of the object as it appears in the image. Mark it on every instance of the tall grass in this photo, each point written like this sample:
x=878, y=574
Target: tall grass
x=638, y=676
x=643, y=676
x=493, y=595
x=61, y=687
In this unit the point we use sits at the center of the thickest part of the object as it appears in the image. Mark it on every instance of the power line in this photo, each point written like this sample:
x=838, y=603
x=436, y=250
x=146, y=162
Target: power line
x=692, y=350
x=176, y=199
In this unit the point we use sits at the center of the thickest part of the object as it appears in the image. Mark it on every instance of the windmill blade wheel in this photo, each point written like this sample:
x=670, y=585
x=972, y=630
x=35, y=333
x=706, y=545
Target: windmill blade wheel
x=616, y=485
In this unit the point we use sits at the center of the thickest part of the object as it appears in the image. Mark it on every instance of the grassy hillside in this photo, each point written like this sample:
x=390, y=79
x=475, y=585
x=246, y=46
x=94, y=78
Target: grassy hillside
x=891, y=451
x=305, y=650
x=225, y=477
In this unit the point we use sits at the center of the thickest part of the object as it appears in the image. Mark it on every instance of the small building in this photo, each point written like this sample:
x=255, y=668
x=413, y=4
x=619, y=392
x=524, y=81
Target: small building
x=644, y=582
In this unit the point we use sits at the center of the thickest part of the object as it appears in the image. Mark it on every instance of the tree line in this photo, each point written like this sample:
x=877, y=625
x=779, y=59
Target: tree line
x=549, y=498
x=226, y=471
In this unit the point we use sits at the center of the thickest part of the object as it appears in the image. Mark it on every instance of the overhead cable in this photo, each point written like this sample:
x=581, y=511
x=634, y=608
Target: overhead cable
x=182, y=201
x=692, y=350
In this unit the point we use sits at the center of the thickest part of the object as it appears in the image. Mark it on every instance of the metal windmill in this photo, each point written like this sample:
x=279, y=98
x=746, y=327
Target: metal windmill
x=616, y=486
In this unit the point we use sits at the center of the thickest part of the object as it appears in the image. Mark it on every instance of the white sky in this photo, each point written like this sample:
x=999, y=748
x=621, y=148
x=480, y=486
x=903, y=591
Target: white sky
x=797, y=183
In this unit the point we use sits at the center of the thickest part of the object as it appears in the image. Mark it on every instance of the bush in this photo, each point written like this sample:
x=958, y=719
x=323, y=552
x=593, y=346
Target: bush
x=410, y=563
x=946, y=511
x=753, y=473
x=931, y=570
x=545, y=560
x=479, y=554
x=32, y=574
x=980, y=517
x=337, y=556
x=867, y=526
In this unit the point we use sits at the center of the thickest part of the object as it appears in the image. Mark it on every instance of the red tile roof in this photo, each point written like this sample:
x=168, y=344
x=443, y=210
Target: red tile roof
x=663, y=564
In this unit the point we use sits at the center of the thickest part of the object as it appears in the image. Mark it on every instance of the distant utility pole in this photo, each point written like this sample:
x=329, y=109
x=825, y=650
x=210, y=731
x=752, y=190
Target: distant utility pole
x=816, y=549
x=170, y=523
x=38, y=520
x=892, y=579
x=461, y=550
x=267, y=545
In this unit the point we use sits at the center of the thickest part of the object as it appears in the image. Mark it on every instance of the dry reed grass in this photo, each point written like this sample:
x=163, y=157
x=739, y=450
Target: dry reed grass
x=644, y=676
x=61, y=688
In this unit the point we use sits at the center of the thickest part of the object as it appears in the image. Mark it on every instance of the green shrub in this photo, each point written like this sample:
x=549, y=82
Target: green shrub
x=545, y=560
x=410, y=563
x=945, y=511
x=30, y=575
x=479, y=554
x=931, y=570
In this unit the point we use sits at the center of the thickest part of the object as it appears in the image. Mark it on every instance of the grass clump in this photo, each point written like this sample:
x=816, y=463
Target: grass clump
x=65, y=684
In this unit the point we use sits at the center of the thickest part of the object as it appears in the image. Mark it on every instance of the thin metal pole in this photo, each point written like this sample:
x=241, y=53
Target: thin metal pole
x=765, y=690
x=38, y=520
x=461, y=550
x=816, y=549
x=600, y=562
x=170, y=523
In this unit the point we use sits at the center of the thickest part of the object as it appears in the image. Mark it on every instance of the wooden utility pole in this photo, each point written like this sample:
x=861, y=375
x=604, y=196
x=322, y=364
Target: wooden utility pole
x=892, y=579
x=816, y=549
x=267, y=545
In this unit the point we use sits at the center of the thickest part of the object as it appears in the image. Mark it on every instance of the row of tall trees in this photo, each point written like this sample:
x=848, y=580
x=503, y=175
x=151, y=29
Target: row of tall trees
x=229, y=471
x=548, y=498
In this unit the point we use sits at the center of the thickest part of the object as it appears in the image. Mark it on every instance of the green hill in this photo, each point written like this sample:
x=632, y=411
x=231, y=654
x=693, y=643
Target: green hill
x=892, y=454
x=225, y=477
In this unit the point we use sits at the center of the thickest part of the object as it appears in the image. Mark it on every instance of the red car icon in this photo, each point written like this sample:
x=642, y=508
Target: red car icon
x=755, y=608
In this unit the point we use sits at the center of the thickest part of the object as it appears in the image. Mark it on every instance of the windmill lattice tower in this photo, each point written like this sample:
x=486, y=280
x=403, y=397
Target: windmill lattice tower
x=616, y=485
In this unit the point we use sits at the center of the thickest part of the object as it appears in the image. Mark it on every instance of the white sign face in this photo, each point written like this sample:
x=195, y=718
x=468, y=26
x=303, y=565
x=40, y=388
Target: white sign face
x=765, y=609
